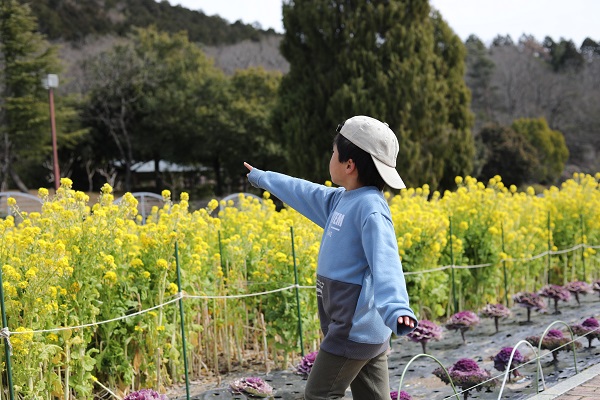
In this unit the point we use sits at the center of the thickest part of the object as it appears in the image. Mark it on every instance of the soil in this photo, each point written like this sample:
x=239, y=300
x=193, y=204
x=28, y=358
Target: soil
x=482, y=343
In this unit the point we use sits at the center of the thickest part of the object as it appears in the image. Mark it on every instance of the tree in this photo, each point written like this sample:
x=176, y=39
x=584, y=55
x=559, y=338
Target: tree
x=505, y=153
x=454, y=117
x=590, y=49
x=235, y=126
x=147, y=96
x=549, y=148
x=386, y=59
x=168, y=115
x=24, y=111
x=254, y=96
x=480, y=69
x=116, y=79
x=564, y=55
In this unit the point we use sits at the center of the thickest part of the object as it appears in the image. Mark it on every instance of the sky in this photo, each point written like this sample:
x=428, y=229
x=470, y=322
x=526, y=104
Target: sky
x=569, y=19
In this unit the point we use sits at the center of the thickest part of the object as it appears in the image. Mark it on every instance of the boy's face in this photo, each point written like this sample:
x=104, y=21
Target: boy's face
x=337, y=168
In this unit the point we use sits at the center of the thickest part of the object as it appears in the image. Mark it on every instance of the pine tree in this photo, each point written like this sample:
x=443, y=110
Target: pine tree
x=388, y=59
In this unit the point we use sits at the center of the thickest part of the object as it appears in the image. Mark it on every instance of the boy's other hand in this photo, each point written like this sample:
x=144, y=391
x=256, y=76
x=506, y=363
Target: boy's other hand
x=408, y=321
x=248, y=166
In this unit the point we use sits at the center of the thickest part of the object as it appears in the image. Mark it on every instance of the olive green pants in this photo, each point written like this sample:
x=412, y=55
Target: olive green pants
x=331, y=375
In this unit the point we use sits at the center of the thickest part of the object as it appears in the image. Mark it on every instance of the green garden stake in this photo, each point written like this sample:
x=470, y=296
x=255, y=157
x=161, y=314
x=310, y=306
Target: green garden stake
x=504, y=267
x=452, y=266
x=549, y=251
x=297, y=293
x=183, y=345
x=6, y=341
x=583, y=247
x=223, y=269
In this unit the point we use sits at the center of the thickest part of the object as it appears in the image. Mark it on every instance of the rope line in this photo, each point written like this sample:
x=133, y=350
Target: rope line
x=239, y=296
x=5, y=333
x=64, y=328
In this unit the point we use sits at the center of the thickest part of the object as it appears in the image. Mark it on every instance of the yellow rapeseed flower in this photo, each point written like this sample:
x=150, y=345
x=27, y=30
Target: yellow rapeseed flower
x=66, y=183
x=43, y=193
x=161, y=263
x=110, y=277
x=106, y=189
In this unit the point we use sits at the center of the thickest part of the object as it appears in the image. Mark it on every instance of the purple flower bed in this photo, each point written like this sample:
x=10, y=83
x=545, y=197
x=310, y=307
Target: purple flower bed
x=145, y=394
x=467, y=375
x=554, y=341
x=403, y=395
x=531, y=301
x=503, y=357
x=252, y=386
x=425, y=332
x=590, y=328
x=596, y=286
x=305, y=365
x=495, y=311
x=556, y=293
x=578, y=287
x=462, y=321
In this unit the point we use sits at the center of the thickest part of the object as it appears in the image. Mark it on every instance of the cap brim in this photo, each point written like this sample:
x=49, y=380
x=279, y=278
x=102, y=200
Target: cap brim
x=389, y=175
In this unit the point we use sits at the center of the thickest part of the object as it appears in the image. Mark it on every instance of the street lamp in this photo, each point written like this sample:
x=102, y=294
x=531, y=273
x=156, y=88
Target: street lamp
x=51, y=82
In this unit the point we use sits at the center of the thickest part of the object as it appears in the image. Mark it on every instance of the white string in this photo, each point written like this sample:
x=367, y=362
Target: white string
x=472, y=266
x=238, y=296
x=427, y=270
x=64, y=328
x=5, y=333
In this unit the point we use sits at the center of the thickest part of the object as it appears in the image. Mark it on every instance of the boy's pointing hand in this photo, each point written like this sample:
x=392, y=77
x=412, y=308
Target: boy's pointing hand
x=248, y=166
x=408, y=321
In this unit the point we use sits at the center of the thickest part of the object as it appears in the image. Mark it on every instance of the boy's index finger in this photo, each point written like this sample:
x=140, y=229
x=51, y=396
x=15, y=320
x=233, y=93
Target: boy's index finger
x=248, y=166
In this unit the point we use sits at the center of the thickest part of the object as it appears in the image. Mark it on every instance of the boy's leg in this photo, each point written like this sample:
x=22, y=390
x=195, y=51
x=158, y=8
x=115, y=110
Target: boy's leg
x=373, y=380
x=331, y=375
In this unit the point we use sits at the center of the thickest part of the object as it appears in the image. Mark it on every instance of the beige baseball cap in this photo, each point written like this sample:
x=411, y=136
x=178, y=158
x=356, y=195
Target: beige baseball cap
x=377, y=139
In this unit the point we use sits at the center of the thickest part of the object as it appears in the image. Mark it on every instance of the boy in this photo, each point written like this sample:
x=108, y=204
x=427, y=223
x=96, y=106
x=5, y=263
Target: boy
x=361, y=290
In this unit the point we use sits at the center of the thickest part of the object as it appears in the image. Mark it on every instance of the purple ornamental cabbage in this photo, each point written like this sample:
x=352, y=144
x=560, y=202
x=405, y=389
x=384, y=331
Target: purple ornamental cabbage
x=145, y=394
x=530, y=301
x=466, y=374
x=578, y=287
x=403, y=394
x=252, y=386
x=424, y=332
x=590, y=328
x=554, y=341
x=503, y=357
x=305, y=365
x=556, y=293
x=462, y=321
x=495, y=311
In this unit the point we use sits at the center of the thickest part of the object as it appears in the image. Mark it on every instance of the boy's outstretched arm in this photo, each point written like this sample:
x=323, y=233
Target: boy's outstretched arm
x=310, y=199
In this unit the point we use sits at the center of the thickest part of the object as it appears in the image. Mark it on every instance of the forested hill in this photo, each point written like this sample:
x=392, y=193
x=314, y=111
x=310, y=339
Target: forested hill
x=72, y=21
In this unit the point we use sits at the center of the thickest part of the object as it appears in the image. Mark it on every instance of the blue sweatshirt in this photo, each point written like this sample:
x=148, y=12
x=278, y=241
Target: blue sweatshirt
x=361, y=290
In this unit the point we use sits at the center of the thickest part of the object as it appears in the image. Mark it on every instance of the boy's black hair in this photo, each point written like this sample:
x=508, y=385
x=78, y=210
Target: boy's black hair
x=367, y=172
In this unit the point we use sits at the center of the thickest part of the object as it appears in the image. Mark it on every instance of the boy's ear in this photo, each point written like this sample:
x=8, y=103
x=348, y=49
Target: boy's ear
x=351, y=166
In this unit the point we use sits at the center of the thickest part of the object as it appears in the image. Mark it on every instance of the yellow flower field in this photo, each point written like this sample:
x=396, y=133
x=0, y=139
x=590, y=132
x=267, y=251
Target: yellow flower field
x=91, y=293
